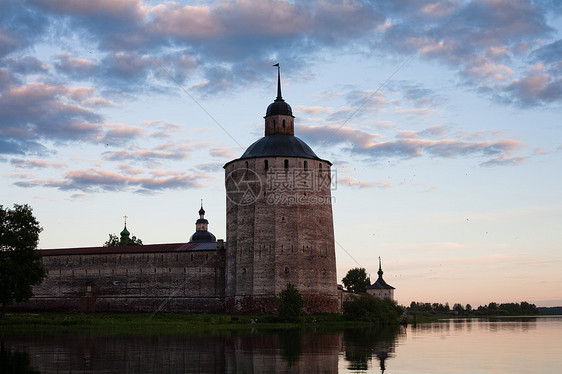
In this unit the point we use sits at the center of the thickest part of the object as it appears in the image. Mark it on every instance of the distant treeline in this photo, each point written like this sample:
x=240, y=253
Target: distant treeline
x=492, y=309
x=550, y=310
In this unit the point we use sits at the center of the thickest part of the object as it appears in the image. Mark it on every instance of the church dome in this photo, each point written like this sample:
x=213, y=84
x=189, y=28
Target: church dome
x=202, y=237
x=125, y=232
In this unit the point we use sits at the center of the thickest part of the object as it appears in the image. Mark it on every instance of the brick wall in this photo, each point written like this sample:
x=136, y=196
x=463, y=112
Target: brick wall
x=170, y=281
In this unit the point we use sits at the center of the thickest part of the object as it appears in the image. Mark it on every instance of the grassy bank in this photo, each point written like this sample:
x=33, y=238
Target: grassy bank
x=130, y=324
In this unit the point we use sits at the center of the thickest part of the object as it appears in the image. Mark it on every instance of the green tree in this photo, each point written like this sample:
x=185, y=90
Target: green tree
x=290, y=304
x=20, y=262
x=459, y=309
x=368, y=308
x=356, y=280
x=114, y=241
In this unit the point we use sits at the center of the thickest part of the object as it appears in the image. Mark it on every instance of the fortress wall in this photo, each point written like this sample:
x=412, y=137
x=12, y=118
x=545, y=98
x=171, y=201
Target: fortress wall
x=172, y=281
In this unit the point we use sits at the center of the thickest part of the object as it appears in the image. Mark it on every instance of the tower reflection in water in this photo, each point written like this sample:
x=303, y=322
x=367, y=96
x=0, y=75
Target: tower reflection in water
x=285, y=351
x=362, y=344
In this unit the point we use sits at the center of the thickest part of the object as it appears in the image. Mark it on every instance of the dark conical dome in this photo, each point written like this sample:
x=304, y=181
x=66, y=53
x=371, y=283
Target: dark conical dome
x=279, y=107
x=279, y=145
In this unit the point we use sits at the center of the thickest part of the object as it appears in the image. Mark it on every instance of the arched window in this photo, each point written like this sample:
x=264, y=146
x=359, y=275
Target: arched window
x=306, y=165
x=274, y=124
x=286, y=164
x=283, y=123
x=266, y=164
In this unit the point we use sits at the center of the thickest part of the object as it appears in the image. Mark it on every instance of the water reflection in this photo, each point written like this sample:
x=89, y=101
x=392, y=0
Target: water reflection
x=15, y=362
x=287, y=351
x=435, y=347
x=362, y=344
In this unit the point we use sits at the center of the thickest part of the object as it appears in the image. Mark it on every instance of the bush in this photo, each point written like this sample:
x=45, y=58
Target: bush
x=290, y=304
x=371, y=309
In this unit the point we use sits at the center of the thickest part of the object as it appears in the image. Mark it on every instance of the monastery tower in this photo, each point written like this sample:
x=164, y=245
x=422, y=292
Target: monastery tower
x=279, y=220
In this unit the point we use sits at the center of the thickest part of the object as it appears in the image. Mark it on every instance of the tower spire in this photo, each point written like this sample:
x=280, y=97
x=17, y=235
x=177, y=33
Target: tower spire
x=279, y=97
x=380, y=272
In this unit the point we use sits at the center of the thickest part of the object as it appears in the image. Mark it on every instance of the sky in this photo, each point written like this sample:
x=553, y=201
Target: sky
x=442, y=121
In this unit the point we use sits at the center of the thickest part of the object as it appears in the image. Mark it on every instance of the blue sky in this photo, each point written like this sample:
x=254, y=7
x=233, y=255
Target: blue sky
x=442, y=120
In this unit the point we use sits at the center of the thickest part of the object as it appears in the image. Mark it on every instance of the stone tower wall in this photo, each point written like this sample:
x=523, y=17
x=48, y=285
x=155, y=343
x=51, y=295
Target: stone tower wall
x=285, y=235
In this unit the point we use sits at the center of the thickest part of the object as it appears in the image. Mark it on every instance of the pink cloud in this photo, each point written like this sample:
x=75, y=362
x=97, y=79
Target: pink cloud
x=98, y=180
x=351, y=182
x=120, y=133
x=223, y=152
x=431, y=141
x=314, y=109
x=115, y=8
x=166, y=151
x=29, y=164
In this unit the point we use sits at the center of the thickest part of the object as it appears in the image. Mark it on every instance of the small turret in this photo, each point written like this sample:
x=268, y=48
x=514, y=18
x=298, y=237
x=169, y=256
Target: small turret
x=202, y=234
x=279, y=117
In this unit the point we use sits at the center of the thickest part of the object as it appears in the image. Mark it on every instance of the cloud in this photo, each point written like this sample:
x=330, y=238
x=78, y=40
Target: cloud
x=312, y=110
x=480, y=40
x=36, y=111
x=164, y=129
x=117, y=9
x=535, y=88
x=20, y=26
x=505, y=161
x=41, y=164
x=224, y=46
x=117, y=134
x=432, y=141
x=210, y=167
x=166, y=151
x=333, y=135
x=540, y=151
x=223, y=153
x=74, y=67
x=224, y=40
x=549, y=53
x=348, y=181
x=26, y=65
x=97, y=180
x=130, y=170
x=418, y=95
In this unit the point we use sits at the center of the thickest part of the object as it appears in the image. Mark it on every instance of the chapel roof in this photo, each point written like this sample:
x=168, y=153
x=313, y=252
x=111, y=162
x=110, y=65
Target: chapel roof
x=380, y=284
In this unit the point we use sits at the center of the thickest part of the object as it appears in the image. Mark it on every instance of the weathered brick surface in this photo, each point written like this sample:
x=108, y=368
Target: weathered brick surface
x=285, y=239
x=175, y=281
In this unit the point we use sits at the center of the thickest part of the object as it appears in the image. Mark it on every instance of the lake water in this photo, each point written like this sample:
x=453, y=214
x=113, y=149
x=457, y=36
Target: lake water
x=510, y=345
